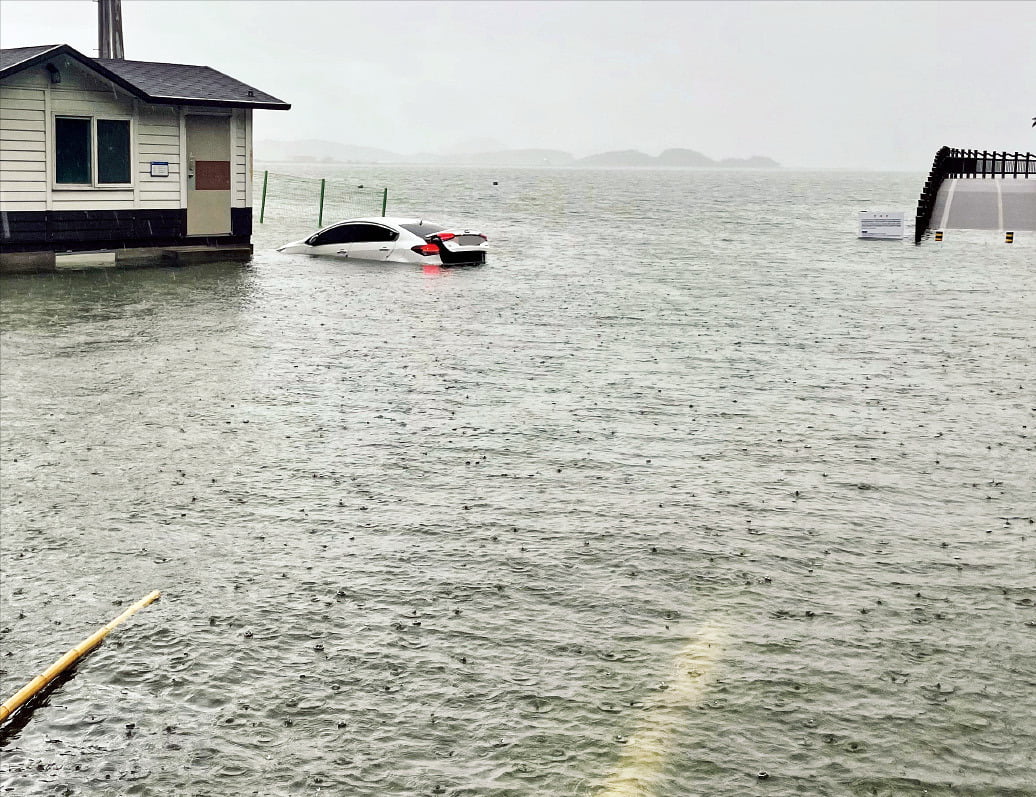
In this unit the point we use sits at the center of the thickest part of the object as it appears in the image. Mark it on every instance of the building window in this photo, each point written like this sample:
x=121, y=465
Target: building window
x=113, y=151
x=84, y=146
x=72, y=140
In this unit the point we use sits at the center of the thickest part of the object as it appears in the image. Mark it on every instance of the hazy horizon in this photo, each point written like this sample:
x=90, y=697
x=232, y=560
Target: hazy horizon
x=833, y=86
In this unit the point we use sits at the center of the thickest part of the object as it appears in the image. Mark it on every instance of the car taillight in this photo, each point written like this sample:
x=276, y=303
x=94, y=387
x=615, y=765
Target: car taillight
x=484, y=238
x=445, y=236
x=426, y=250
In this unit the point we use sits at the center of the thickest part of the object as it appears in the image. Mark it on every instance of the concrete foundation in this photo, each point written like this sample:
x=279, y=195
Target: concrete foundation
x=26, y=262
x=144, y=257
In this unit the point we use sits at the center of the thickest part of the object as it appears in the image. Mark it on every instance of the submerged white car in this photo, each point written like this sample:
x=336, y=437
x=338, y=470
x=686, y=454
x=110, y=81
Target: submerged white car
x=394, y=240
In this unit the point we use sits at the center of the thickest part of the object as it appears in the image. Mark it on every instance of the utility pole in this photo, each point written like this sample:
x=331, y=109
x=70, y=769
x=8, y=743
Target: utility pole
x=109, y=29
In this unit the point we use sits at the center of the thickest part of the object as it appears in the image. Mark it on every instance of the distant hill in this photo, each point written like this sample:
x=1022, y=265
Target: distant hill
x=316, y=151
x=678, y=158
x=684, y=158
x=515, y=157
x=625, y=157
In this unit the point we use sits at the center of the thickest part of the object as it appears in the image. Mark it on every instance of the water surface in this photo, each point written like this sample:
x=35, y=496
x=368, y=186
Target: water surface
x=687, y=484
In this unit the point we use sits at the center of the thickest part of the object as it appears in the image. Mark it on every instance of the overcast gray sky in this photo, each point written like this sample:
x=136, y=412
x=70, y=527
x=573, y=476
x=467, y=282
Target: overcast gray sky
x=835, y=85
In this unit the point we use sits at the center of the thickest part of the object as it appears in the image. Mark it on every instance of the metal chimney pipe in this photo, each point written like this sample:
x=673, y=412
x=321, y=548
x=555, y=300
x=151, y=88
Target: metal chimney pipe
x=102, y=30
x=109, y=29
x=118, y=50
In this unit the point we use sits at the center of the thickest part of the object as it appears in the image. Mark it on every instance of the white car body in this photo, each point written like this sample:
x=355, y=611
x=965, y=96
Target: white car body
x=394, y=240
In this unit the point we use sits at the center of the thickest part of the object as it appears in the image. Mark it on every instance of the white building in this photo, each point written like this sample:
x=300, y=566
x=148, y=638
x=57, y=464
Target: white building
x=139, y=161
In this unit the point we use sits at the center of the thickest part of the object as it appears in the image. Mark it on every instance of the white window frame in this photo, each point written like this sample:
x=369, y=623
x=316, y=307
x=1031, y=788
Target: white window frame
x=94, y=185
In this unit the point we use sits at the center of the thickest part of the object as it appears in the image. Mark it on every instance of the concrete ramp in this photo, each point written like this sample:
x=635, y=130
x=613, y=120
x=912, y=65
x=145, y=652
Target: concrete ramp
x=993, y=203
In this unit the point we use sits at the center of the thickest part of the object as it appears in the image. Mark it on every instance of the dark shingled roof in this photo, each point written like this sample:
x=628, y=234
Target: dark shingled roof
x=163, y=84
x=13, y=56
x=175, y=82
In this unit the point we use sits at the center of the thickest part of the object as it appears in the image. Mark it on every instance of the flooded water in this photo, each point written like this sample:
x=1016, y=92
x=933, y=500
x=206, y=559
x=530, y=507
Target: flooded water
x=686, y=492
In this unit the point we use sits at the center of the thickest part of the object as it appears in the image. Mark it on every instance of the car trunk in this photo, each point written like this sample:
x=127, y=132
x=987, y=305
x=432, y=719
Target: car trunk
x=454, y=251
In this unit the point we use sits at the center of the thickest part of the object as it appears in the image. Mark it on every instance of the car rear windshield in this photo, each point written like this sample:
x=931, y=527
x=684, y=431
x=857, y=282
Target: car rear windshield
x=423, y=229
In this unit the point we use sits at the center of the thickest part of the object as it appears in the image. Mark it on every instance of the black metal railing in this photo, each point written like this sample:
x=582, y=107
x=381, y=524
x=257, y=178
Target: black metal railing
x=967, y=163
x=973, y=163
x=926, y=203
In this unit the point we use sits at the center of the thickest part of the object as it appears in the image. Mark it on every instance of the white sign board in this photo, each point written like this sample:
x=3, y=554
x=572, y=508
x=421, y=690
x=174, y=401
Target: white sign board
x=159, y=168
x=887, y=225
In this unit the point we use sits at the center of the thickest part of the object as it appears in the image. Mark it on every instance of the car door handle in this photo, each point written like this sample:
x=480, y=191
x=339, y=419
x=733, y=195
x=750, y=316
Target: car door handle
x=385, y=249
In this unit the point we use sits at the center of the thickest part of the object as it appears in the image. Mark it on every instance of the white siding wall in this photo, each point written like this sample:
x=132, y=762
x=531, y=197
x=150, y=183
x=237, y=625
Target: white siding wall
x=158, y=139
x=23, y=153
x=28, y=103
x=249, y=165
x=239, y=177
x=81, y=94
x=240, y=150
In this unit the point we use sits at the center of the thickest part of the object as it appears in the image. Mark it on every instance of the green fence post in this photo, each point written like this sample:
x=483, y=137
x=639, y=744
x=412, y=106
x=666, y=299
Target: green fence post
x=320, y=218
x=262, y=206
x=384, y=202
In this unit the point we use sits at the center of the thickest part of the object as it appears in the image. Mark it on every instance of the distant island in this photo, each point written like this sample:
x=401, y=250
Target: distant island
x=314, y=151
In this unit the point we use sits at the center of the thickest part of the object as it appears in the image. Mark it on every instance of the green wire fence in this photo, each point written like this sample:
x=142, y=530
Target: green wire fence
x=289, y=198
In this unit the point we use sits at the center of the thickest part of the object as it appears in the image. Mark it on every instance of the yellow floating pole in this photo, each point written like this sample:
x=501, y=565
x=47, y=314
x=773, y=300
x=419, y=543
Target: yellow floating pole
x=37, y=684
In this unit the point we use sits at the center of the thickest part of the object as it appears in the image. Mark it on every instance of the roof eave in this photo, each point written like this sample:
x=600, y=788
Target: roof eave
x=46, y=55
x=89, y=63
x=64, y=49
x=269, y=106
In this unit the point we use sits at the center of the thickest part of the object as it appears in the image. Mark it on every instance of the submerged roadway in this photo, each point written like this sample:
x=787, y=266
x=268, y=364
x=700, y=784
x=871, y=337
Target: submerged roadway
x=994, y=203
